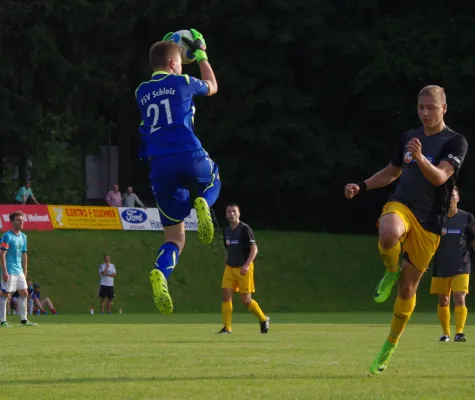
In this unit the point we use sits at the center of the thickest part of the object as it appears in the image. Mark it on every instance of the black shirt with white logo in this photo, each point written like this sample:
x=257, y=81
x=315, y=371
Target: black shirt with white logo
x=238, y=242
x=428, y=203
x=453, y=255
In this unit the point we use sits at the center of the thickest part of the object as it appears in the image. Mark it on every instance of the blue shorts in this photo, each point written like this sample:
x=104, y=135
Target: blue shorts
x=172, y=176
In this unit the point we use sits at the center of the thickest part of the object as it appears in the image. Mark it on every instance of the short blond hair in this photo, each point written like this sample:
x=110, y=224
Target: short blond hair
x=433, y=91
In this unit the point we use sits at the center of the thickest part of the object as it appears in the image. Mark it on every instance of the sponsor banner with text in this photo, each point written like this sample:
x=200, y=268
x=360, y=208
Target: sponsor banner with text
x=82, y=217
x=36, y=217
x=148, y=219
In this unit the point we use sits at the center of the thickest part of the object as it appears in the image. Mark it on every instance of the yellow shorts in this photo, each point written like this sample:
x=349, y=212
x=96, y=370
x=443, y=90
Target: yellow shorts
x=232, y=279
x=418, y=245
x=457, y=283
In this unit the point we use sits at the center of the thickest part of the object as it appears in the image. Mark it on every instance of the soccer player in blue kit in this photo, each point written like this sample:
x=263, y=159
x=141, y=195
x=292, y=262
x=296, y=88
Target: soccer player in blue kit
x=176, y=157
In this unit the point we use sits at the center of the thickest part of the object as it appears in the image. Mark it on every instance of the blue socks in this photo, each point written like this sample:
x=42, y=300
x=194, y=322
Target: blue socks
x=167, y=258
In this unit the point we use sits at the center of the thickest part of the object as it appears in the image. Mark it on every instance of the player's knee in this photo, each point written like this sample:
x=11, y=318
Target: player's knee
x=388, y=238
x=459, y=299
x=227, y=295
x=246, y=300
x=444, y=301
x=407, y=290
x=391, y=228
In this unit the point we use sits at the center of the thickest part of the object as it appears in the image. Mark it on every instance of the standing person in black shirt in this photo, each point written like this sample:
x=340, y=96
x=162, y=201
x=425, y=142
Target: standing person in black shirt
x=241, y=250
x=427, y=162
x=451, y=268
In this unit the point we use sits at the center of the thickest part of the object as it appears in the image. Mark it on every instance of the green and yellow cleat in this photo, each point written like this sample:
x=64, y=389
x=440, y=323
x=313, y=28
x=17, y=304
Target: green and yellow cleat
x=28, y=323
x=161, y=297
x=205, y=223
x=5, y=324
x=382, y=359
x=385, y=286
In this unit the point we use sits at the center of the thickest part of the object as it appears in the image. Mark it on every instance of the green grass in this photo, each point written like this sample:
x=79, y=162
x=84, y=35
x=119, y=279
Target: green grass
x=304, y=356
x=295, y=272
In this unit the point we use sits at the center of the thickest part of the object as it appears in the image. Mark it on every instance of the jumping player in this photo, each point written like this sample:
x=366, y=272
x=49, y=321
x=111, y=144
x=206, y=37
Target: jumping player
x=176, y=157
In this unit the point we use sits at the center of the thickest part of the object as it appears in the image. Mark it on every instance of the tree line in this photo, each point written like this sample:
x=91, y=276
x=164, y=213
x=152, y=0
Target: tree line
x=312, y=94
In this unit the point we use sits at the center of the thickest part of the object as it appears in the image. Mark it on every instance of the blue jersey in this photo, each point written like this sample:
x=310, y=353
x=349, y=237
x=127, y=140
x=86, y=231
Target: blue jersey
x=14, y=245
x=167, y=109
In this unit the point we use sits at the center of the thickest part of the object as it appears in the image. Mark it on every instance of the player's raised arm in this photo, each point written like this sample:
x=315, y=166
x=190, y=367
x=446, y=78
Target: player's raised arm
x=380, y=179
x=198, y=47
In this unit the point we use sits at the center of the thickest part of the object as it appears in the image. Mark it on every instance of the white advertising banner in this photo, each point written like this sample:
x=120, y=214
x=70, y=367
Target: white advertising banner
x=148, y=219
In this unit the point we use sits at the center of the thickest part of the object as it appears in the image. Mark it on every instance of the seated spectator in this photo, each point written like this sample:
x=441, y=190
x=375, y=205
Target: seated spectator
x=24, y=194
x=38, y=303
x=113, y=198
x=12, y=304
x=130, y=198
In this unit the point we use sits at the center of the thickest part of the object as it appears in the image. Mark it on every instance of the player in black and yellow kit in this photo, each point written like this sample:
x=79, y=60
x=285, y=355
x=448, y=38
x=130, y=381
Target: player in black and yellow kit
x=451, y=268
x=241, y=250
x=426, y=161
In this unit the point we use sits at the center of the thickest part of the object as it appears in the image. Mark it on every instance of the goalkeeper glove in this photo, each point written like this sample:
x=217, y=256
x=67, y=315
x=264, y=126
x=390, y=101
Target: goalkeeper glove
x=197, y=45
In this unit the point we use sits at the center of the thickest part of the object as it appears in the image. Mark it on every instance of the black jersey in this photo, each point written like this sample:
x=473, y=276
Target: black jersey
x=238, y=242
x=428, y=203
x=453, y=255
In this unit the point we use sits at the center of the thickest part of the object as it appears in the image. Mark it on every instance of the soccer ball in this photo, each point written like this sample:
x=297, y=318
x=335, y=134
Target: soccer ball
x=186, y=54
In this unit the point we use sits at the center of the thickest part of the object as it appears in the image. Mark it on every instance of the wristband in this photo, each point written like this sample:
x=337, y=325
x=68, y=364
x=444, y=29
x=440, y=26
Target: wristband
x=363, y=186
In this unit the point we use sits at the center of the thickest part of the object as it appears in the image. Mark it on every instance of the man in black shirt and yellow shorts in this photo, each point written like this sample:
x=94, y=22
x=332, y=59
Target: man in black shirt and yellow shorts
x=427, y=161
x=241, y=250
x=451, y=268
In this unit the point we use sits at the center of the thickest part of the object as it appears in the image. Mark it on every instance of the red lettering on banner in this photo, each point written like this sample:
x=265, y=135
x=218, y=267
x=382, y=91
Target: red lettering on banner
x=104, y=213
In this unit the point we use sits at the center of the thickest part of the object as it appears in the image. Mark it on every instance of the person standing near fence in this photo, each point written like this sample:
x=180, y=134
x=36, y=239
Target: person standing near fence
x=107, y=272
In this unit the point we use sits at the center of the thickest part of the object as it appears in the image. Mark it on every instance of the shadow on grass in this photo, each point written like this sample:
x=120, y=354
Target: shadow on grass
x=89, y=380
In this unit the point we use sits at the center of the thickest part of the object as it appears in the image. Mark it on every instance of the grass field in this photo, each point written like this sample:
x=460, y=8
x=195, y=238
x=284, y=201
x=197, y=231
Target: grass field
x=295, y=272
x=304, y=356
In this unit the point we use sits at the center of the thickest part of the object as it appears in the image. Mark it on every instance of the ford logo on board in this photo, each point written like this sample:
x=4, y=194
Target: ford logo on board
x=134, y=216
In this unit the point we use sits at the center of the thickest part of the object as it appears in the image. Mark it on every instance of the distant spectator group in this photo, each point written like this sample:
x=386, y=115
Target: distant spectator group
x=128, y=199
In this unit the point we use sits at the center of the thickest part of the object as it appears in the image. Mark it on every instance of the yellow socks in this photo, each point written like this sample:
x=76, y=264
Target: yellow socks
x=460, y=318
x=227, y=313
x=402, y=312
x=390, y=256
x=444, y=318
x=256, y=310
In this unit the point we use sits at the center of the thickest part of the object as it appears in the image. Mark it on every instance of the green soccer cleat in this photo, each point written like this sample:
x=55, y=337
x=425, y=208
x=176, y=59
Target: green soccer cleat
x=161, y=297
x=205, y=223
x=5, y=324
x=28, y=323
x=382, y=359
x=385, y=286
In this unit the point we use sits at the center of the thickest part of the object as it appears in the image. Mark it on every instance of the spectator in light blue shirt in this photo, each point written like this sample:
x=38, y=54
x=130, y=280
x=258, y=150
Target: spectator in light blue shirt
x=24, y=194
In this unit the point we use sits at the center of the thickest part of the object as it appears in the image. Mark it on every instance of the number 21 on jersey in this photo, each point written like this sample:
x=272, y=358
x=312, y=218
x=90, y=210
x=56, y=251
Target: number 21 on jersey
x=154, y=109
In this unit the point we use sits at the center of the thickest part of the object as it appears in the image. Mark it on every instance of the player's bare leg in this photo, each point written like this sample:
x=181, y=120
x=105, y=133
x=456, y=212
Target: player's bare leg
x=391, y=229
x=166, y=261
x=403, y=308
x=460, y=316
